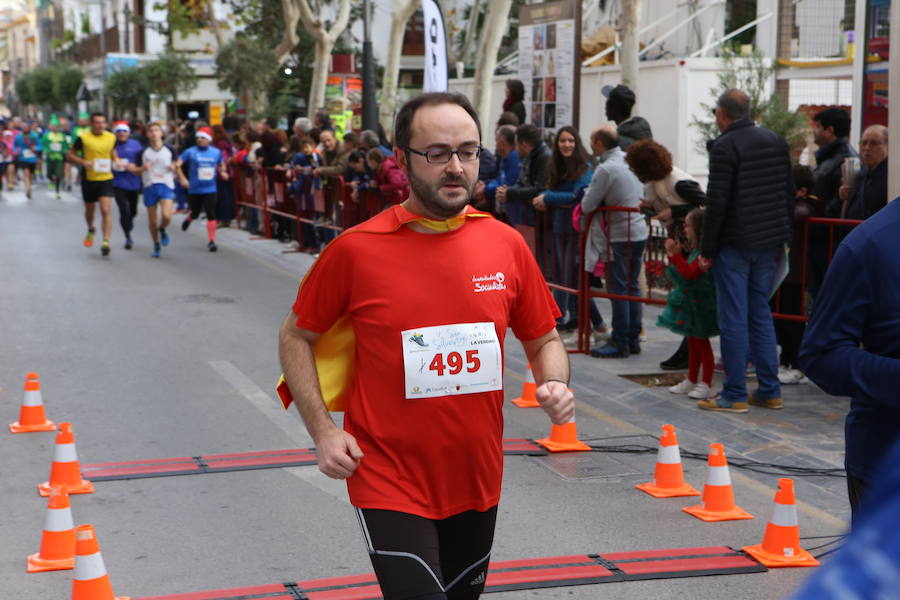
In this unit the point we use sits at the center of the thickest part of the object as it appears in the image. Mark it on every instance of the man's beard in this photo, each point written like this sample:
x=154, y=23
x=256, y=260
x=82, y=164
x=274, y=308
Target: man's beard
x=430, y=195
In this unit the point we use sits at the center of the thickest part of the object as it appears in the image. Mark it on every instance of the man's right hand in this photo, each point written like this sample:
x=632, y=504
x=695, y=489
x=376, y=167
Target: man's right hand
x=338, y=454
x=501, y=194
x=844, y=193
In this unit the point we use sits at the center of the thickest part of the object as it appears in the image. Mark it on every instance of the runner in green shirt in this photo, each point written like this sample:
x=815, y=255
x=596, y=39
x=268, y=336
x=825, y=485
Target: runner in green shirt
x=55, y=144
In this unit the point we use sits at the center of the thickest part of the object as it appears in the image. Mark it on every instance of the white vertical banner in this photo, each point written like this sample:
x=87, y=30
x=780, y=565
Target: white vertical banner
x=435, y=48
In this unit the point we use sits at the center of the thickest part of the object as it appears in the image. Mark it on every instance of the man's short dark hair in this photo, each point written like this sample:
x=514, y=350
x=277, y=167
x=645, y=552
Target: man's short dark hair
x=508, y=133
x=356, y=156
x=803, y=177
x=404, y=121
x=272, y=122
x=735, y=104
x=351, y=138
x=529, y=134
x=606, y=136
x=836, y=118
x=97, y=114
x=508, y=118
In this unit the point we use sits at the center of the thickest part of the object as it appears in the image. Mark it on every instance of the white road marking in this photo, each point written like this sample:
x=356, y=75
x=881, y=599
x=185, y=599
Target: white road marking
x=267, y=405
x=288, y=423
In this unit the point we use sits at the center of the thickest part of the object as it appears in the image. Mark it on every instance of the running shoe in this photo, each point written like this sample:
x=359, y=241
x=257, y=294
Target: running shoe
x=155, y=253
x=773, y=403
x=717, y=403
x=128, y=243
x=104, y=248
x=28, y=194
x=788, y=376
x=58, y=196
x=89, y=239
x=185, y=224
x=685, y=387
x=212, y=246
x=701, y=391
x=163, y=236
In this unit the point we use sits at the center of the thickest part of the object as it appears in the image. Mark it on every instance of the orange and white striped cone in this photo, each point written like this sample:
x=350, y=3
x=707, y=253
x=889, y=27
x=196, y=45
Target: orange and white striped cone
x=31, y=413
x=781, y=542
x=91, y=581
x=65, y=468
x=528, y=399
x=718, y=496
x=564, y=438
x=57, y=551
x=668, y=477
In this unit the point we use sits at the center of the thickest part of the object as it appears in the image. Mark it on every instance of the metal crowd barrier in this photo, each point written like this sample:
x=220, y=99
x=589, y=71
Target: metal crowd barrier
x=318, y=217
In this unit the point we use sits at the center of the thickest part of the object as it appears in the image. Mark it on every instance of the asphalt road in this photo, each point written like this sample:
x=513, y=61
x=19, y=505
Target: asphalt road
x=177, y=356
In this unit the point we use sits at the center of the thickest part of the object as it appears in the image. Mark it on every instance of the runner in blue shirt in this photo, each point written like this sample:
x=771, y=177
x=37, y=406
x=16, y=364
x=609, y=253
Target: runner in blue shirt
x=126, y=185
x=202, y=161
x=26, y=148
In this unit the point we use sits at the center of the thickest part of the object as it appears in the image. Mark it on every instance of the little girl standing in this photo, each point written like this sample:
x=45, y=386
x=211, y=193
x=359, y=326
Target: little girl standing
x=691, y=307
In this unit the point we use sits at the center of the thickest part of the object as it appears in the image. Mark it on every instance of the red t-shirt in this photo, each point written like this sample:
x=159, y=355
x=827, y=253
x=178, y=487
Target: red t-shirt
x=432, y=457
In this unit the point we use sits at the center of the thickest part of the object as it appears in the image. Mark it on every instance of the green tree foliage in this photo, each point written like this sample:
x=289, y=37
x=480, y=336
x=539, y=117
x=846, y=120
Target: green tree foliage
x=170, y=75
x=67, y=80
x=42, y=87
x=128, y=90
x=751, y=74
x=23, y=89
x=244, y=66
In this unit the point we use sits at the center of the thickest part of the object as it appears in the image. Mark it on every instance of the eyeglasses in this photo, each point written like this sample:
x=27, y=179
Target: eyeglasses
x=440, y=156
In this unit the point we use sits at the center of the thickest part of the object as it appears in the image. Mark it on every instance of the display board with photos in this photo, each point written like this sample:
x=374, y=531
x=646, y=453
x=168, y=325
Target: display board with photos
x=549, y=63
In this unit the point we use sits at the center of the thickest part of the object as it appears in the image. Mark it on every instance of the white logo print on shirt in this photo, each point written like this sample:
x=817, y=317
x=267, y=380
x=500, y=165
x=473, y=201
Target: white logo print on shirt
x=487, y=283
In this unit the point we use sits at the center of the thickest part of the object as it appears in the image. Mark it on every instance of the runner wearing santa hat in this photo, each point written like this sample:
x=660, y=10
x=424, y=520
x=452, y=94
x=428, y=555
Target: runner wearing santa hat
x=202, y=161
x=126, y=185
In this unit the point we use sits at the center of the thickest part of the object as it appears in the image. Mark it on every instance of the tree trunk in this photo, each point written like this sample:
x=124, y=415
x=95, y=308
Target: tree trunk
x=403, y=10
x=471, y=32
x=214, y=24
x=325, y=40
x=495, y=24
x=290, y=36
x=631, y=47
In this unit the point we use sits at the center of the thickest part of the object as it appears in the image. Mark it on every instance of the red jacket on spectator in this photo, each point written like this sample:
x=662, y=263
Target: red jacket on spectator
x=390, y=178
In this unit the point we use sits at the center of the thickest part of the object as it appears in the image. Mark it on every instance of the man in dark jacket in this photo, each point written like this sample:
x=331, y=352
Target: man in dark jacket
x=869, y=191
x=535, y=160
x=748, y=218
x=619, y=102
x=830, y=130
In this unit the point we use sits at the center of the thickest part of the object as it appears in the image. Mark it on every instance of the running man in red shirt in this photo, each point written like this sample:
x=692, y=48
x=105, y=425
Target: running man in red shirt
x=427, y=289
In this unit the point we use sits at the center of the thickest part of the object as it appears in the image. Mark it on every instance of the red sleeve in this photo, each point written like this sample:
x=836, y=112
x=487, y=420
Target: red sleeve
x=324, y=293
x=689, y=271
x=393, y=179
x=534, y=311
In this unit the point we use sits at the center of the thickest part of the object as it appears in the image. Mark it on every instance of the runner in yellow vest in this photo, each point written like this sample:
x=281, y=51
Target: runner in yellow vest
x=95, y=151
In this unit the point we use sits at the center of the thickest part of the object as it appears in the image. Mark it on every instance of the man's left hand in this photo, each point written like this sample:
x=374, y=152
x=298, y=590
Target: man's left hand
x=557, y=401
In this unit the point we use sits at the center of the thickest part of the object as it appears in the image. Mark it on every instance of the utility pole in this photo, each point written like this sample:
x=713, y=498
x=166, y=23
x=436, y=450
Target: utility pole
x=369, y=108
x=631, y=46
x=103, y=56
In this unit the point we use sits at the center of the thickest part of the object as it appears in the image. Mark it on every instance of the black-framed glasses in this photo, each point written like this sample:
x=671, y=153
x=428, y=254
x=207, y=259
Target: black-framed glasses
x=440, y=156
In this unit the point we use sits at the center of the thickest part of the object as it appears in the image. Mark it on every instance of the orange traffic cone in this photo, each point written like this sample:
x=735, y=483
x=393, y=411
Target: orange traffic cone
x=57, y=551
x=31, y=413
x=65, y=468
x=564, y=438
x=91, y=582
x=718, y=495
x=668, y=477
x=528, y=399
x=781, y=542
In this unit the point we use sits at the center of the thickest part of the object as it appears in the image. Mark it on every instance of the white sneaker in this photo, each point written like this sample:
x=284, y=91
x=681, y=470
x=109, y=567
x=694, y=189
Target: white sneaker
x=683, y=388
x=792, y=377
x=701, y=391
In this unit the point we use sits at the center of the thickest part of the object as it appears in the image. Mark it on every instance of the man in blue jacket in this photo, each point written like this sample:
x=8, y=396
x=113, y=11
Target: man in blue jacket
x=750, y=203
x=507, y=172
x=852, y=343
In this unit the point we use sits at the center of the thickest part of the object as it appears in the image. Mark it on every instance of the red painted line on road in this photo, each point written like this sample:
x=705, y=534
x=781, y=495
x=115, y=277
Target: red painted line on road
x=685, y=564
x=618, y=556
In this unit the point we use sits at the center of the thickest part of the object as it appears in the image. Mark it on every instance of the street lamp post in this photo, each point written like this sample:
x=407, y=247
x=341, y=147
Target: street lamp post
x=103, y=55
x=369, y=109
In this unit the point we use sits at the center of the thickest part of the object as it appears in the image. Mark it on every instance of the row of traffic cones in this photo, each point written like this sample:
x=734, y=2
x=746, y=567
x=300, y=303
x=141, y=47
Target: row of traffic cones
x=563, y=438
x=63, y=546
x=781, y=541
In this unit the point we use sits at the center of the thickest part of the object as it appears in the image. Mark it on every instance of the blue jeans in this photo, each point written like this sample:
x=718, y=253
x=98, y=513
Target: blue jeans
x=567, y=267
x=743, y=285
x=624, y=272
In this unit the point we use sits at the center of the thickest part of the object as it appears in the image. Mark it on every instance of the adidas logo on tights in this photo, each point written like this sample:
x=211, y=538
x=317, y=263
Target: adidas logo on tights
x=478, y=580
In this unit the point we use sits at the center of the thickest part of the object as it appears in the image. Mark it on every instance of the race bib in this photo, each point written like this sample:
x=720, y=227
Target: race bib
x=26, y=153
x=121, y=164
x=206, y=173
x=55, y=147
x=159, y=175
x=448, y=360
x=102, y=165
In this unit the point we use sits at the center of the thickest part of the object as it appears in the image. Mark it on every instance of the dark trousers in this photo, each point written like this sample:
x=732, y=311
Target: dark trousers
x=789, y=334
x=856, y=491
x=127, y=201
